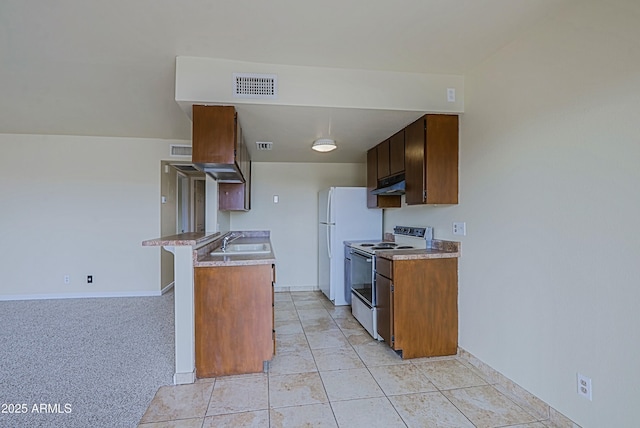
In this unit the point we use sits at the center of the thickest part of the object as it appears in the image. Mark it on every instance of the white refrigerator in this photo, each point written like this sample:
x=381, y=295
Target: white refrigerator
x=343, y=216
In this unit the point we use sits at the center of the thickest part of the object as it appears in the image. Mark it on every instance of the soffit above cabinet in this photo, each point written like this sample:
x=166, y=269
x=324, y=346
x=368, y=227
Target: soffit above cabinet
x=357, y=108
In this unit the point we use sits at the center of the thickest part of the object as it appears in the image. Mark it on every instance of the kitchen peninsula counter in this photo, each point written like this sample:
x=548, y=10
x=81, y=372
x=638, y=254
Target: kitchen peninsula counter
x=191, y=251
x=183, y=239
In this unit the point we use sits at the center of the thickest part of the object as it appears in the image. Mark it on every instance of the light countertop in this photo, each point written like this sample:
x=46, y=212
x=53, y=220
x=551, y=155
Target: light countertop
x=441, y=250
x=204, y=258
x=182, y=239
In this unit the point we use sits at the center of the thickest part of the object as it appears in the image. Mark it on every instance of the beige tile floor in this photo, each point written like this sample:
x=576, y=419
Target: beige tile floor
x=328, y=372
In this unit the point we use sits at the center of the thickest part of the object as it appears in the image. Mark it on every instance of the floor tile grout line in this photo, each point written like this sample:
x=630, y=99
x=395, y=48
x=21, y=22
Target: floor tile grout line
x=498, y=391
x=457, y=408
x=515, y=403
x=210, y=398
x=326, y=393
x=269, y=398
x=373, y=364
x=366, y=366
x=385, y=394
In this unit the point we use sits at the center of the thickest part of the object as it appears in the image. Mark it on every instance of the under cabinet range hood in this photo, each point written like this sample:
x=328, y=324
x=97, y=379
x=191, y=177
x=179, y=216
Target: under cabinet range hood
x=221, y=172
x=394, y=185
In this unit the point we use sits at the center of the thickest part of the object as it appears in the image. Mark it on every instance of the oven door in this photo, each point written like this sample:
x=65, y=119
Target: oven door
x=362, y=276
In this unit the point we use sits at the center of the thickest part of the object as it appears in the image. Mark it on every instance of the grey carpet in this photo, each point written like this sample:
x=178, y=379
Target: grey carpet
x=105, y=357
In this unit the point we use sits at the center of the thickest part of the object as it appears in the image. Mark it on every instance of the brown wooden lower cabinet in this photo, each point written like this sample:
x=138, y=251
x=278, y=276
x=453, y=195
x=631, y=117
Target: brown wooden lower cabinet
x=418, y=306
x=234, y=330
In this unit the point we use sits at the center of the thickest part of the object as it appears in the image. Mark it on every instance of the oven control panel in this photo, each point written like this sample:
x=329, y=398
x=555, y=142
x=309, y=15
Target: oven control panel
x=417, y=232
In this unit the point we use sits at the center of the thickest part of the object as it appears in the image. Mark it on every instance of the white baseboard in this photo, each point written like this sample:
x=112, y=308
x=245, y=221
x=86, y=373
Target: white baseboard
x=184, y=378
x=167, y=288
x=280, y=289
x=89, y=295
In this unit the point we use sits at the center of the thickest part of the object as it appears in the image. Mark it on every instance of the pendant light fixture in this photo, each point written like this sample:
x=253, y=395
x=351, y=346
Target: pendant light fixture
x=324, y=145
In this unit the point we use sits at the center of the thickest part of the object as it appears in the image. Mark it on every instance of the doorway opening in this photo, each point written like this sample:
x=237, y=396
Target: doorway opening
x=182, y=209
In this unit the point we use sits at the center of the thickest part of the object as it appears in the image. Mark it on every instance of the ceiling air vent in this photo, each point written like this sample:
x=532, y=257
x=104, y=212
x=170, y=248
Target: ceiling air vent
x=253, y=85
x=264, y=145
x=181, y=151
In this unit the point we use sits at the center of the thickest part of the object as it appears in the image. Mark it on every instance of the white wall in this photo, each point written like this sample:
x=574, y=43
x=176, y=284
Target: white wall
x=293, y=221
x=550, y=155
x=79, y=206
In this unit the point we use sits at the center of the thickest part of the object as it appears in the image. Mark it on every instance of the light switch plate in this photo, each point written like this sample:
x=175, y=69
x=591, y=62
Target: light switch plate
x=451, y=95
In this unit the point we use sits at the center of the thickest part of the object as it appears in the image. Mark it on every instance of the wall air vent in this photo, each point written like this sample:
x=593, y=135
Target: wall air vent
x=181, y=151
x=264, y=145
x=257, y=86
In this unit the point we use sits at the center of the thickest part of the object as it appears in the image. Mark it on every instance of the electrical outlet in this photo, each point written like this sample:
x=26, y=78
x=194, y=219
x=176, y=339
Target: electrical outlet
x=584, y=387
x=460, y=228
x=89, y=279
x=67, y=279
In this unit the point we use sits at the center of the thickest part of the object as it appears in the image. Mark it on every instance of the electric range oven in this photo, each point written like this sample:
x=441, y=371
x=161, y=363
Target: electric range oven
x=361, y=259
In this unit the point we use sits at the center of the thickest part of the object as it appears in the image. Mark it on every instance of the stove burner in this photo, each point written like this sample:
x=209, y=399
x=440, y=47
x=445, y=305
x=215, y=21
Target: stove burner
x=384, y=246
x=403, y=247
x=367, y=245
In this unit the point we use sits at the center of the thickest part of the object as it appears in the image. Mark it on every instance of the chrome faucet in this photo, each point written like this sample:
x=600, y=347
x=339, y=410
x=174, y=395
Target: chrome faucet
x=229, y=238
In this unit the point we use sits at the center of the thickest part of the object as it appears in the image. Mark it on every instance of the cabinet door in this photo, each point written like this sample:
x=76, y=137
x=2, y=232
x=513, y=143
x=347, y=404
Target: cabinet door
x=374, y=201
x=214, y=134
x=431, y=160
x=426, y=301
x=233, y=319
x=414, y=162
x=441, y=157
x=372, y=177
x=384, y=316
x=383, y=159
x=396, y=153
x=232, y=197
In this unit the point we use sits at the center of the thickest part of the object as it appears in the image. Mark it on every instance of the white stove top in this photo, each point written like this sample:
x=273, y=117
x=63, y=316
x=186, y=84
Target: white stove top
x=405, y=238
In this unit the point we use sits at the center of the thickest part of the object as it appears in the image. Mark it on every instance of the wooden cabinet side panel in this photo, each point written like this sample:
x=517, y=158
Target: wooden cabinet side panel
x=384, y=313
x=414, y=157
x=214, y=134
x=426, y=307
x=441, y=181
x=233, y=319
x=247, y=188
x=396, y=153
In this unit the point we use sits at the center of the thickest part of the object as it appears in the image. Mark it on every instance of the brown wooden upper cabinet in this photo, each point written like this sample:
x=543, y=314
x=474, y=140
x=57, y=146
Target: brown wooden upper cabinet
x=219, y=150
x=391, y=156
x=218, y=145
x=431, y=160
x=377, y=201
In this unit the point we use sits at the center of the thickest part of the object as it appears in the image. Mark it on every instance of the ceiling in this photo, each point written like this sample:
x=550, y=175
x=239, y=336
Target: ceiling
x=77, y=67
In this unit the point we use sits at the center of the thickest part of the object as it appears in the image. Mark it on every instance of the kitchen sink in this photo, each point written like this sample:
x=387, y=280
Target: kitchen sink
x=237, y=249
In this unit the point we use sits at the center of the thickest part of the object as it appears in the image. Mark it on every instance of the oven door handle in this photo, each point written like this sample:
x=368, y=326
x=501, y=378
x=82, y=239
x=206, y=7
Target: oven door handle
x=366, y=257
